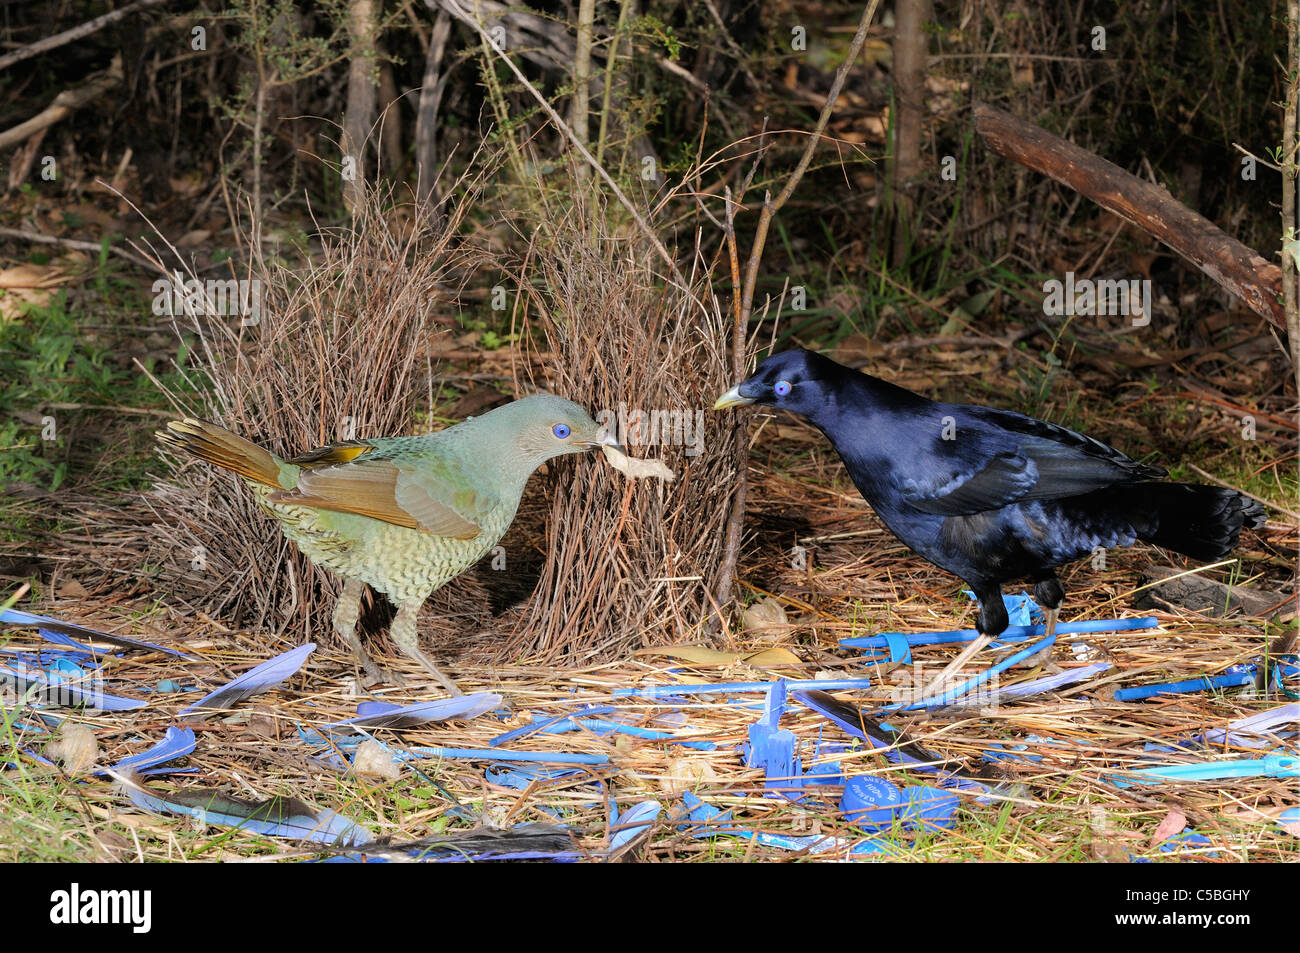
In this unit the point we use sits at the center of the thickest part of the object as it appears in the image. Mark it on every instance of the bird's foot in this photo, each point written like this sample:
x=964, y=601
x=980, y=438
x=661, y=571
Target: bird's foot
x=451, y=687
x=381, y=676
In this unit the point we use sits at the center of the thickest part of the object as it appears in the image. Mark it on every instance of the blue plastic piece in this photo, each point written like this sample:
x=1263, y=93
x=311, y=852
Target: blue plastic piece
x=900, y=650
x=1011, y=634
x=260, y=679
x=870, y=802
x=828, y=773
x=493, y=754
x=524, y=731
x=706, y=821
x=772, y=748
x=1022, y=610
x=928, y=808
x=1271, y=766
x=1234, y=677
x=668, y=691
x=948, y=697
x=600, y=726
x=1188, y=838
x=1289, y=817
x=1286, y=675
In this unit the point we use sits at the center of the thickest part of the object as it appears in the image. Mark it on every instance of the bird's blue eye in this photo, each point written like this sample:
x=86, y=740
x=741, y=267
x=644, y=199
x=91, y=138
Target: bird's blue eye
x=782, y=388
x=561, y=431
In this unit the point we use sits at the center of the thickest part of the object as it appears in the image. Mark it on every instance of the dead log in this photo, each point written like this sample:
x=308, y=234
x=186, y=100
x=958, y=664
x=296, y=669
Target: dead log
x=1239, y=269
x=64, y=105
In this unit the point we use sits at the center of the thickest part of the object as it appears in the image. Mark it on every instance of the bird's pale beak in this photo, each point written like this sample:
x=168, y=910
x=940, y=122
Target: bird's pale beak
x=606, y=439
x=732, y=398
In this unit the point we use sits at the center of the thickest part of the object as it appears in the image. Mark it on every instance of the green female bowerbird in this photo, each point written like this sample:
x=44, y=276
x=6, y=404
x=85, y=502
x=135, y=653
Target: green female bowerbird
x=403, y=515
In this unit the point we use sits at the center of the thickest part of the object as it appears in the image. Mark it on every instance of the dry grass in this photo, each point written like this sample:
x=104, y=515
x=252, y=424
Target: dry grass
x=1073, y=738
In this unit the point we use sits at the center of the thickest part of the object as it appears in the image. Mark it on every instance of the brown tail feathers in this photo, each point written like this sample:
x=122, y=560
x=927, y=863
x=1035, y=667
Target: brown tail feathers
x=219, y=446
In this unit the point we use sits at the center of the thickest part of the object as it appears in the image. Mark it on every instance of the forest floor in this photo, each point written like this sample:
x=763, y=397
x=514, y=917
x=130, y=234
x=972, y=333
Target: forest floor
x=815, y=549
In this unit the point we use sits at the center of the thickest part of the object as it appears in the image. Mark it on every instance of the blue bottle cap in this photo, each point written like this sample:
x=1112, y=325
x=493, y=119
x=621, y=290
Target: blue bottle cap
x=929, y=807
x=870, y=803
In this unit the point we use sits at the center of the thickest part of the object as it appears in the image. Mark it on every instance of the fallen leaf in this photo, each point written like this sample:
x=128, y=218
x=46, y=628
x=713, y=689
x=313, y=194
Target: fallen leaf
x=71, y=589
x=1173, y=823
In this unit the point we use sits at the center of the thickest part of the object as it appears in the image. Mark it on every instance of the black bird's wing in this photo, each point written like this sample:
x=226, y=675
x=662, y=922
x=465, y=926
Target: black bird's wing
x=998, y=457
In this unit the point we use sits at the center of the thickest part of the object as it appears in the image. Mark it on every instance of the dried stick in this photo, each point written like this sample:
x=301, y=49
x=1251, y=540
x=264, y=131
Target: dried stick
x=1231, y=264
x=76, y=33
x=74, y=243
x=736, y=518
x=64, y=105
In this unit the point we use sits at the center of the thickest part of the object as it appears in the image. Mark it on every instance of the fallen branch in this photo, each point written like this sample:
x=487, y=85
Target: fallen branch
x=64, y=105
x=75, y=244
x=76, y=33
x=1151, y=208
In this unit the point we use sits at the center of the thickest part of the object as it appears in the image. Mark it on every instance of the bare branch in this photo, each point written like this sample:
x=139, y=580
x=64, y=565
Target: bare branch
x=76, y=33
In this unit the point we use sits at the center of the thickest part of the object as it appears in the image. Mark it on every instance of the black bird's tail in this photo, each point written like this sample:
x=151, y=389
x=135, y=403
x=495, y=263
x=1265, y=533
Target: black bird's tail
x=1203, y=522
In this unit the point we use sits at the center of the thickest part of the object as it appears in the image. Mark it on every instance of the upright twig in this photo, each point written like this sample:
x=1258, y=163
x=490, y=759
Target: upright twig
x=426, y=124
x=462, y=14
x=745, y=308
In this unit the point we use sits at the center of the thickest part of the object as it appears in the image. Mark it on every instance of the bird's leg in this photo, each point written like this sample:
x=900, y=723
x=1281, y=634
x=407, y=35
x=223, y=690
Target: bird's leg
x=346, y=613
x=986, y=623
x=1048, y=593
x=407, y=637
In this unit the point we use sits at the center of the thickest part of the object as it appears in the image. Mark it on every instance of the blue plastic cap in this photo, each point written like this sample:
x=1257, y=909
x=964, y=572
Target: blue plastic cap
x=929, y=807
x=870, y=802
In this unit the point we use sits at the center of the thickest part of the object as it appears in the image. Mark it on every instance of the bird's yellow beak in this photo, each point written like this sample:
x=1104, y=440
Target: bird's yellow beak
x=732, y=398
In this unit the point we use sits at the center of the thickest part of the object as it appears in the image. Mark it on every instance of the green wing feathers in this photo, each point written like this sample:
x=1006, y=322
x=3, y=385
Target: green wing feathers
x=409, y=487
x=384, y=490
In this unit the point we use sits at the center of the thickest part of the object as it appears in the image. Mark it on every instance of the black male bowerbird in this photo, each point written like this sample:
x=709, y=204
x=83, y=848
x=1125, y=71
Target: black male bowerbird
x=991, y=495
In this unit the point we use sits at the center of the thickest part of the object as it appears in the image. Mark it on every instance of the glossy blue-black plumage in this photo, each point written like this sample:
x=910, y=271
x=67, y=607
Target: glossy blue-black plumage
x=991, y=495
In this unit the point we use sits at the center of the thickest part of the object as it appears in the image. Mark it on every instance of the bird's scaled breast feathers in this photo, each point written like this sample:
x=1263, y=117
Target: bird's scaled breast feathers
x=402, y=562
